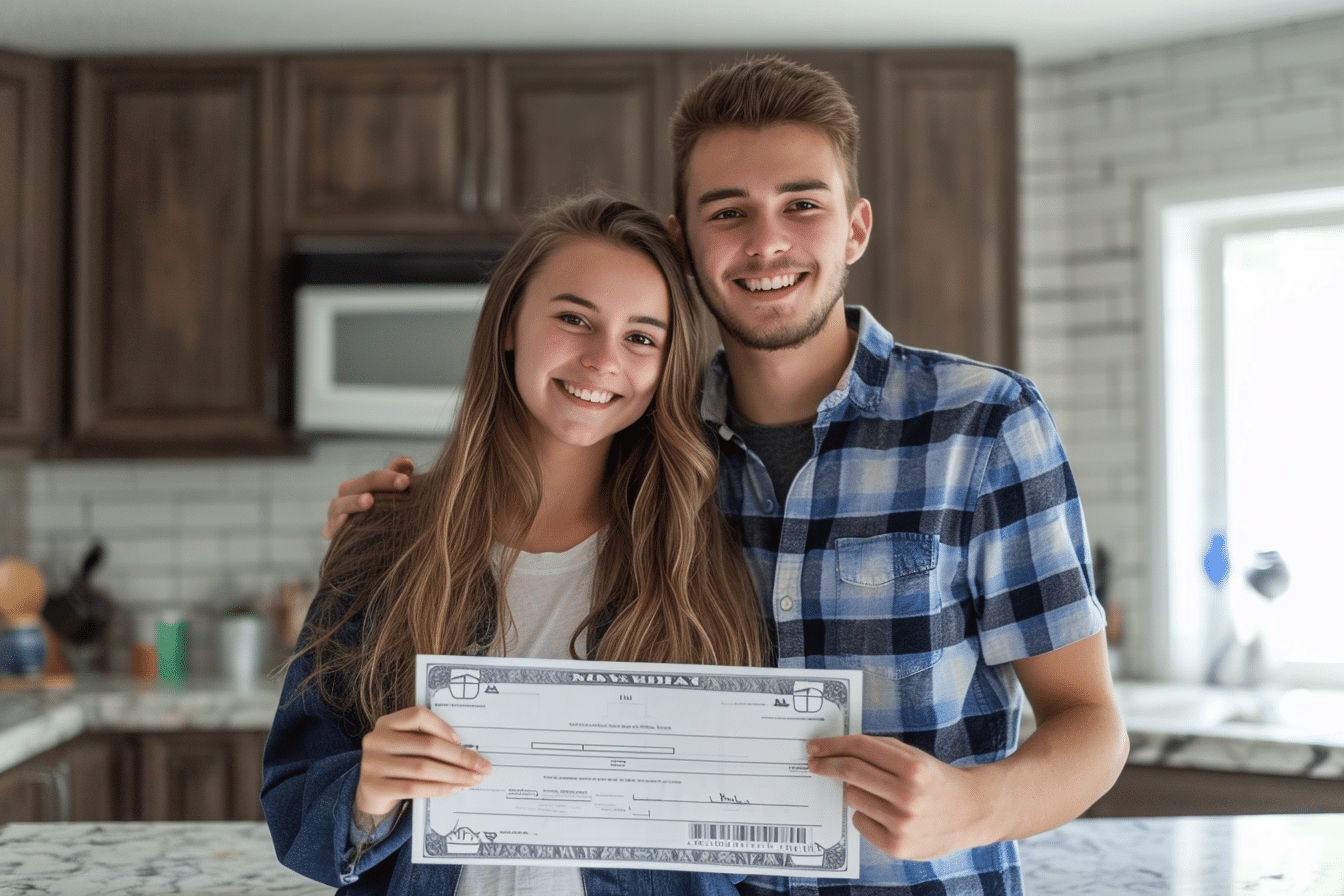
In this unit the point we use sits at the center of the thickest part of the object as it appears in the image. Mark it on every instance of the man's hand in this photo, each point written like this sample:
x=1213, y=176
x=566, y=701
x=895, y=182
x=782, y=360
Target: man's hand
x=906, y=803
x=913, y=806
x=413, y=753
x=356, y=495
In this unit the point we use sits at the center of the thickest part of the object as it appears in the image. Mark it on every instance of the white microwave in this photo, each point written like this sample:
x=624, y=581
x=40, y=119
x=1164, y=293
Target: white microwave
x=383, y=339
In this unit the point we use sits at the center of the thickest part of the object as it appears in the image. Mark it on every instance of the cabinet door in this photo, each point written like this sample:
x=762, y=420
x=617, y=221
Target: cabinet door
x=99, y=770
x=28, y=793
x=177, y=319
x=29, y=247
x=201, y=776
x=79, y=781
x=383, y=143
x=561, y=123
x=944, y=135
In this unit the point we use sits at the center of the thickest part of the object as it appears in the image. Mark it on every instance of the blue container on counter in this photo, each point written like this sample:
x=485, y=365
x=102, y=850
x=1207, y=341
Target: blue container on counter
x=23, y=649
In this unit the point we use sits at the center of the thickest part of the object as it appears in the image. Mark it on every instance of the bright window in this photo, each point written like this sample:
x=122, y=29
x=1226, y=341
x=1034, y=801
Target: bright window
x=1246, y=280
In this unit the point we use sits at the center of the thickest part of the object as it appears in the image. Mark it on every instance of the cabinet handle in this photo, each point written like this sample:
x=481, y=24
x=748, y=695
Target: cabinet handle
x=468, y=193
x=494, y=189
x=271, y=393
x=58, y=782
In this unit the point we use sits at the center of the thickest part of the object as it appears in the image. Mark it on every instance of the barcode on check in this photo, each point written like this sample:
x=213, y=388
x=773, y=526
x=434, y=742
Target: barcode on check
x=749, y=833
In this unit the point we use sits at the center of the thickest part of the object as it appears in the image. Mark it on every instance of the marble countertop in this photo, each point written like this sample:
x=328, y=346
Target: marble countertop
x=1267, y=730
x=1267, y=855
x=1286, y=732
x=37, y=719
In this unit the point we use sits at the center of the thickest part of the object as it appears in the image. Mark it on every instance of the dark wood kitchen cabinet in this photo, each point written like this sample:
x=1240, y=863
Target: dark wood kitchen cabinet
x=468, y=143
x=179, y=332
x=943, y=129
x=200, y=775
x=384, y=143
x=193, y=177
x=30, y=241
x=565, y=122
x=83, y=780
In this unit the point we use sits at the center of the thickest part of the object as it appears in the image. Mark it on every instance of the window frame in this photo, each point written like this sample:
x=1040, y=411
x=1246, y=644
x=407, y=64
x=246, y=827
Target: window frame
x=1184, y=227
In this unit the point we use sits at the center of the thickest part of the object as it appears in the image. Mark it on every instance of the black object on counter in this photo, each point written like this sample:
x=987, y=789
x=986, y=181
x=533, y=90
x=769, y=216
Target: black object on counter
x=80, y=614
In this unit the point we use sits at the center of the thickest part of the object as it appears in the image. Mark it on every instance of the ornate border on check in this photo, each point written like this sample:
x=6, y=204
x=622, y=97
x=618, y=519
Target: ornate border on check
x=833, y=858
x=835, y=691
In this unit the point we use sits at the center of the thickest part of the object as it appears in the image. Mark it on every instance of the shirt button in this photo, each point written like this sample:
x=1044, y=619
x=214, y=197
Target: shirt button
x=769, y=506
x=786, y=604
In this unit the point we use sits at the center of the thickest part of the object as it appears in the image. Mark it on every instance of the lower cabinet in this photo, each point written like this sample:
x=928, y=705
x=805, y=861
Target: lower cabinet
x=201, y=776
x=84, y=780
x=1154, y=790
x=150, y=776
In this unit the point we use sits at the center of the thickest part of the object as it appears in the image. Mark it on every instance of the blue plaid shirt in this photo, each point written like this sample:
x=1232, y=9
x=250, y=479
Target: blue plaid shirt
x=934, y=536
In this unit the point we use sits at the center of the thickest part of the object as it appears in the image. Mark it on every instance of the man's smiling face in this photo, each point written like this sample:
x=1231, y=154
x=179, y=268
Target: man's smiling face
x=769, y=232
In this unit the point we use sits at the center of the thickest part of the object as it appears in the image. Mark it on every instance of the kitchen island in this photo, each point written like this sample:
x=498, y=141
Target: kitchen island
x=1260, y=854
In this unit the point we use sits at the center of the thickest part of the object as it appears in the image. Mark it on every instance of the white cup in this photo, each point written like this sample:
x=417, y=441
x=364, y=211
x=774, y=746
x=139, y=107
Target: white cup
x=240, y=650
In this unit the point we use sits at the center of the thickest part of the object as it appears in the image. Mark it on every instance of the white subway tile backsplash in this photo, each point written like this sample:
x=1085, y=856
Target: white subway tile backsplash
x=1142, y=142
x=196, y=553
x=85, y=477
x=1050, y=276
x=231, y=514
x=297, y=554
x=1324, y=149
x=1254, y=158
x=1313, y=83
x=245, y=551
x=1250, y=93
x=1216, y=135
x=1309, y=120
x=177, y=531
x=122, y=513
x=1180, y=102
x=1100, y=272
x=46, y=514
x=299, y=514
x=1145, y=68
x=1301, y=46
x=195, y=477
x=1214, y=61
x=156, y=554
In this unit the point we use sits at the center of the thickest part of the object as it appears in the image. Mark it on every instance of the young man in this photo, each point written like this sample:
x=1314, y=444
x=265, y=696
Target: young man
x=904, y=512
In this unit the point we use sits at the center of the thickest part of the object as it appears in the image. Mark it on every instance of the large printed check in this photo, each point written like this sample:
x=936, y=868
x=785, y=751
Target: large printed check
x=692, y=768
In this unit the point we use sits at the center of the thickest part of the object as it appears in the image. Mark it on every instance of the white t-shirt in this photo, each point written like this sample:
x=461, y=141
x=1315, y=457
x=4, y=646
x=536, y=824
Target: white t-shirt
x=548, y=595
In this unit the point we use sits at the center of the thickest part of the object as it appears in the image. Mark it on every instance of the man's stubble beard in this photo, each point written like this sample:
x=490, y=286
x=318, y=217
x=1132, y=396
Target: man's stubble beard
x=769, y=342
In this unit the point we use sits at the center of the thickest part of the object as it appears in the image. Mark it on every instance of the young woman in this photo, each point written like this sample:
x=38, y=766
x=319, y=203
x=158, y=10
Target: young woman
x=571, y=513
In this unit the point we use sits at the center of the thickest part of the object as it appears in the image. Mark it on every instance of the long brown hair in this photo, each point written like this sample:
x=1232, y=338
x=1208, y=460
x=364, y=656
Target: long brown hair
x=760, y=91
x=420, y=572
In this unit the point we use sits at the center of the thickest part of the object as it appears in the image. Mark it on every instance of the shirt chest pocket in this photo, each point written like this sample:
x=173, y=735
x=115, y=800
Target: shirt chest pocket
x=885, y=604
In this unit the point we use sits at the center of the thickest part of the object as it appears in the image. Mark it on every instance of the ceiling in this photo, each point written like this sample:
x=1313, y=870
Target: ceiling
x=1043, y=31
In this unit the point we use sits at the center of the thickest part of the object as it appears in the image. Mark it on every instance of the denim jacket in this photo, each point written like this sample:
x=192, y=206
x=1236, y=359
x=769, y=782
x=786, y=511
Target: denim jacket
x=311, y=769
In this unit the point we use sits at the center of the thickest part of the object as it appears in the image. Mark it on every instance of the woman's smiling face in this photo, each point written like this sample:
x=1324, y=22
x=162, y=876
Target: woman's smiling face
x=589, y=339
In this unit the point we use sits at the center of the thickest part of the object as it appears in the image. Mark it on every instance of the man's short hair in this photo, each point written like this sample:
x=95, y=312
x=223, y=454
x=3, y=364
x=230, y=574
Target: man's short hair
x=761, y=91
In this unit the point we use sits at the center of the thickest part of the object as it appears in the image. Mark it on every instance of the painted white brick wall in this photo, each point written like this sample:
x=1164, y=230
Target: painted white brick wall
x=1097, y=133
x=187, y=533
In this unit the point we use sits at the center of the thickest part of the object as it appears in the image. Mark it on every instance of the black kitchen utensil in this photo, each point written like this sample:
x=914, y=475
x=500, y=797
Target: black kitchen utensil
x=81, y=612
